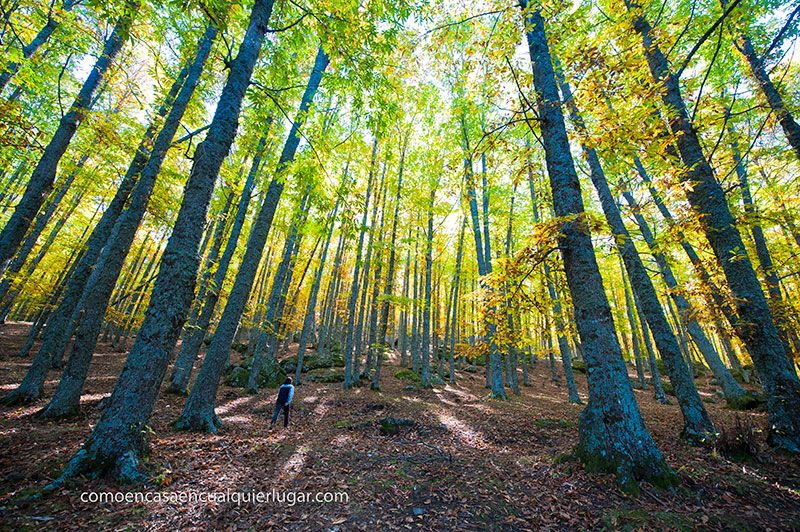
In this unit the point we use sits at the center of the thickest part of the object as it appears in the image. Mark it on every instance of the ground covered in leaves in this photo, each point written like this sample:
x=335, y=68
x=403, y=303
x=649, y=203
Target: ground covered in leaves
x=467, y=462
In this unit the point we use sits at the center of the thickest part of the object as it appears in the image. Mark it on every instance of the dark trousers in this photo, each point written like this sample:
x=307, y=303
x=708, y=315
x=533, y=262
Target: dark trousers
x=278, y=407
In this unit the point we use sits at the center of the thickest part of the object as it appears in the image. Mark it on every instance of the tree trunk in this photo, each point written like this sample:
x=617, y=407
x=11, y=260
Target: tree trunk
x=38, y=228
x=494, y=369
x=94, y=301
x=36, y=43
x=774, y=99
x=637, y=350
x=198, y=412
x=697, y=425
x=612, y=434
x=384, y=319
x=454, y=304
x=732, y=390
x=280, y=280
x=62, y=321
x=312, y=296
x=426, y=309
x=190, y=347
x=118, y=440
x=762, y=251
x=41, y=181
x=563, y=343
x=757, y=327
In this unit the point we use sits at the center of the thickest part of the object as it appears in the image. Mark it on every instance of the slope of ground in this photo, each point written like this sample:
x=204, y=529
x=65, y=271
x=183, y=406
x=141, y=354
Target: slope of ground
x=467, y=462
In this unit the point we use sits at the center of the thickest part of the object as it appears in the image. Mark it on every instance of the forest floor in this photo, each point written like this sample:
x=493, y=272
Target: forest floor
x=468, y=462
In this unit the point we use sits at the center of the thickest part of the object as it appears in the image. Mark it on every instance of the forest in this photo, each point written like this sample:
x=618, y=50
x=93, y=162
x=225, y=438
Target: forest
x=500, y=265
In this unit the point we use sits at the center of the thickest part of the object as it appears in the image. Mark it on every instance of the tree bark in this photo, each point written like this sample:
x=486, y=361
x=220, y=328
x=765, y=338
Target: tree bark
x=99, y=287
x=115, y=446
x=734, y=393
x=612, y=434
x=41, y=180
x=198, y=412
x=190, y=347
x=756, y=325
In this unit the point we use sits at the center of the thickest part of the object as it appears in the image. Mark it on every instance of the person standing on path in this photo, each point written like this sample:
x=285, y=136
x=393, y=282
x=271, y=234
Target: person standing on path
x=285, y=396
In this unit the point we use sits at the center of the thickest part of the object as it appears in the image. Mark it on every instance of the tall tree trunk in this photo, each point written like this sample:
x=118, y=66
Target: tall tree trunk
x=403, y=342
x=511, y=352
x=494, y=369
x=655, y=374
x=190, y=347
x=350, y=339
x=53, y=21
x=774, y=99
x=329, y=312
x=697, y=425
x=364, y=290
x=38, y=227
x=563, y=344
x=311, y=305
x=426, y=309
x=389, y=287
x=198, y=412
x=757, y=327
x=637, y=350
x=41, y=181
x=415, y=325
x=99, y=287
x=118, y=440
x=734, y=393
x=268, y=338
x=763, y=255
x=375, y=345
x=714, y=294
x=454, y=304
x=612, y=434
x=62, y=321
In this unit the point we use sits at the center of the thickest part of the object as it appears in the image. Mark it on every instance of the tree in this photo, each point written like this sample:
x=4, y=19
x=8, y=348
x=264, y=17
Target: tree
x=707, y=198
x=100, y=284
x=41, y=180
x=697, y=424
x=612, y=435
x=115, y=446
x=190, y=347
x=198, y=412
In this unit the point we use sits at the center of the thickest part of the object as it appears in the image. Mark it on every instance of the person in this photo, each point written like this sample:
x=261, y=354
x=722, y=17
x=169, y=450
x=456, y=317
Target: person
x=285, y=396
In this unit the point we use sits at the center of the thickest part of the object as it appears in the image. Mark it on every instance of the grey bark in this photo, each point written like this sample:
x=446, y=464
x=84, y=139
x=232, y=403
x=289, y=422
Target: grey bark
x=311, y=306
x=732, y=390
x=62, y=321
x=757, y=328
x=190, y=348
x=198, y=412
x=41, y=181
x=389, y=288
x=36, y=43
x=494, y=370
x=118, y=440
x=99, y=287
x=698, y=426
x=268, y=338
x=563, y=344
x=454, y=304
x=350, y=339
x=612, y=434
x=426, y=309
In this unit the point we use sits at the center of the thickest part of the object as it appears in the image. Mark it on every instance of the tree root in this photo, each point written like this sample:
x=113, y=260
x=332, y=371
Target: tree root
x=51, y=413
x=199, y=422
x=21, y=396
